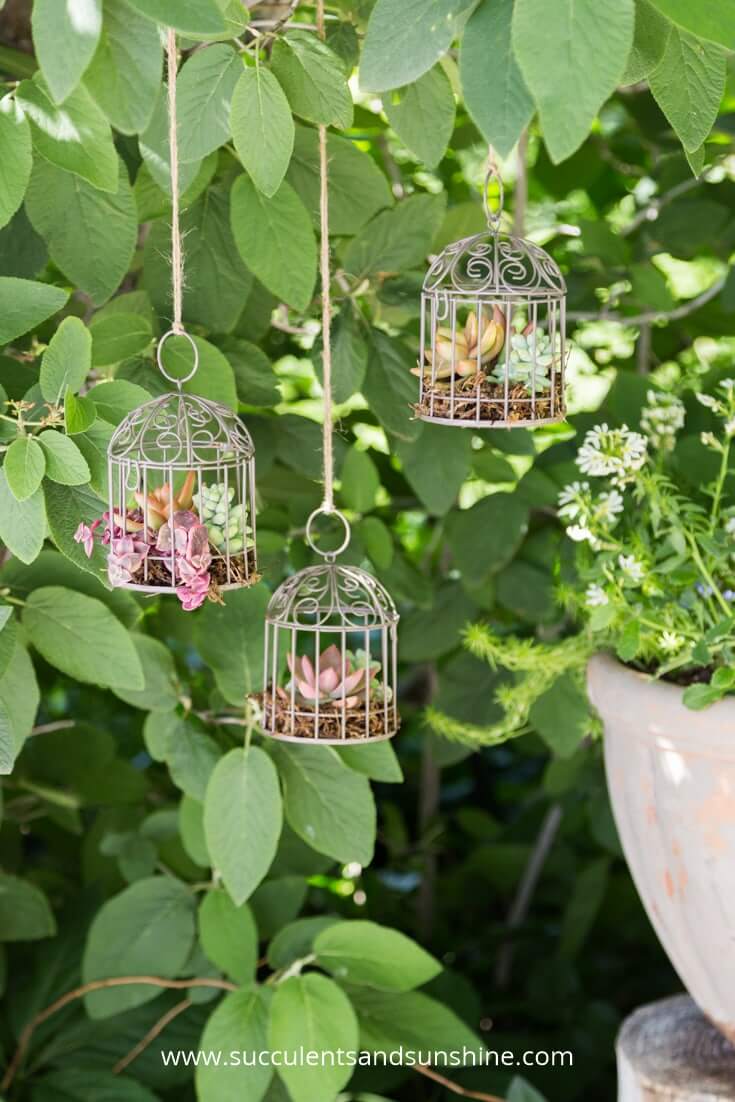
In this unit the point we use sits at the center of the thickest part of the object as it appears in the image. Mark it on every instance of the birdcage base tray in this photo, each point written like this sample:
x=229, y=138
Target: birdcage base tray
x=155, y=577
x=329, y=729
x=438, y=407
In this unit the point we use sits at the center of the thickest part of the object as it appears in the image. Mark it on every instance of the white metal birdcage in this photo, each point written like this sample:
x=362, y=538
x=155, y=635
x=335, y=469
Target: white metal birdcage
x=181, y=497
x=493, y=332
x=331, y=660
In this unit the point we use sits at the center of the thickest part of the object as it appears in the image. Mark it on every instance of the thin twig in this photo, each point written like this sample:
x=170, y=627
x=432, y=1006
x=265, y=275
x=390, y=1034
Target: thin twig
x=85, y=989
x=526, y=888
x=450, y=1085
x=651, y=211
x=652, y=316
x=57, y=725
x=151, y=1035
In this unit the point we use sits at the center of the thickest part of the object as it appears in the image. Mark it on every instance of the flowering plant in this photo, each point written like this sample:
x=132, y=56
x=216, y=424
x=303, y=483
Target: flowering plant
x=656, y=565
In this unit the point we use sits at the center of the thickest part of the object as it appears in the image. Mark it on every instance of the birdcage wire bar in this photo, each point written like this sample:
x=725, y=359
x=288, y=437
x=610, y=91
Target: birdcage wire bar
x=174, y=464
x=493, y=347
x=330, y=658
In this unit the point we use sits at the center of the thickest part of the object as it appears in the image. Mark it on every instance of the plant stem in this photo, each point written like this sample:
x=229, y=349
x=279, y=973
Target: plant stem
x=151, y=1035
x=707, y=576
x=719, y=486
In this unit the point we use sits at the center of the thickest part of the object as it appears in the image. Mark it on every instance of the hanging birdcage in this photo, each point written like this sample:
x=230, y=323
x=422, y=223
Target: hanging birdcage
x=493, y=342
x=330, y=668
x=181, y=515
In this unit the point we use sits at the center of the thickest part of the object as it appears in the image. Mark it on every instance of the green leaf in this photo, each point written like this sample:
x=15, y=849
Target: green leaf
x=148, y=929
x=239, y=1024
x=125, y=73
x=191, y=829
x=486, y=537
x=276, y=240
x=629, y=641
x=714, y=22
x=296, y=940
x=25, y=914
x=194, y=17
x=160, y=692
x=521, y=1091
x=25, y=464
x=366, y=953
x=583, y=907
x=22, y=523
x=389, y=388
x=91, y=234
x=561, y=716
x=230, y=640
x=312, y=1011
x=422, y=115
x=377, y=540
x=228, y=935
x=649, y=42
x=65, y=37
x=313, y=78
x=397, y=239
x=154, y=147
x=436, y=465
x=66, y=506
x=119, y=336
x=243, y=819
x=326, y=803
x=277, y=902
x=255, y=380
x=74, y=136
x=377, y=760
x=349, y=354
x=82, y=638
x=66, y=361
x=502, y=115
x=357, y=187
x=79, y=413
x=19, y=700
x=93, y=445
x=116, y=399
x=25, y=304
x=262, y=128
x=217, y=281
x=204, y=92
x=360, y=480
x=77, y=1084
x=688, y=86
x=192, y=757
x=430, y=633
x=404, y=39
x=569, y=78
x=699, y=696
x=16, y=157
x=411, y=1019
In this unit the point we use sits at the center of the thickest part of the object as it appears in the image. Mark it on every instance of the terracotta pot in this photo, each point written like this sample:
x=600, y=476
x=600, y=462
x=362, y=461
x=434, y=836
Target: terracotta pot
x=671, y=777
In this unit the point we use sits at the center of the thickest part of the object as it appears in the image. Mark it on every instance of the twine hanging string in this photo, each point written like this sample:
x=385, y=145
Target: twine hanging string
x=177, y=253
x=177, y=257
x=327, y=446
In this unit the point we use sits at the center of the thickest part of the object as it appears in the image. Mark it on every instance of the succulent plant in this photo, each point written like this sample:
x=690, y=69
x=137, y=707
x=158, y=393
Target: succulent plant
x=465, y=346
x=225, y=522
x=531, y=357
x=127, y=555
x=158, y=504
x=335, y=680
x=189, y=539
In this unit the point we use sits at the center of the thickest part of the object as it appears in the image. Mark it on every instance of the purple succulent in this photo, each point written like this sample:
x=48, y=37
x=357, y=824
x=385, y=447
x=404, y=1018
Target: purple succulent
x=127, y=555
x=190, y=540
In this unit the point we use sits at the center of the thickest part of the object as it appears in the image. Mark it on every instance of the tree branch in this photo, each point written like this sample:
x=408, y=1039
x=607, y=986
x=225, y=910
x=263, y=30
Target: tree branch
x=85, y=989
x=651, y=211
x=455, y=1088
x=151, y=1035
x=653, y=316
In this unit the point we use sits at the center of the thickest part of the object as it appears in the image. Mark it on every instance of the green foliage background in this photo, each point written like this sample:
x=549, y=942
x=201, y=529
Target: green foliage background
x=146, y=827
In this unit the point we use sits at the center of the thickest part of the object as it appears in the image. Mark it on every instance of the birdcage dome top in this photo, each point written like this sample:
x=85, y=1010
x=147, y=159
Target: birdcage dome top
x=181, y=431
x=495, y=264
x=331, y=595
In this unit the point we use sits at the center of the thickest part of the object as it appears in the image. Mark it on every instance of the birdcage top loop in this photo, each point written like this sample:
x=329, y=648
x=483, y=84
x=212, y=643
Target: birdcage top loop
x=323, y=511
x=495, y=265
x=332, y=596
x=493, y=216
x=177, y=380
x=181, y=431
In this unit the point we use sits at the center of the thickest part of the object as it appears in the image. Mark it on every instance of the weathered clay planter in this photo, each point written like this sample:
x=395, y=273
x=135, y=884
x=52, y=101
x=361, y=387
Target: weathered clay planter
x=671, y=777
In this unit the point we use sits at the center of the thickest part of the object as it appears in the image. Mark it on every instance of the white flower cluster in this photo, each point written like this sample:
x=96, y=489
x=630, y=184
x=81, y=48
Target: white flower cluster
x=661, y=418
x=617, y=454
x=578, y=504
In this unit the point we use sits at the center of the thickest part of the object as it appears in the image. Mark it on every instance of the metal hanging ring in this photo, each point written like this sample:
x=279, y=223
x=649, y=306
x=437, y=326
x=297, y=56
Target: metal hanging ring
x=324, y=511
x=159, y=357
x=493, y=217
